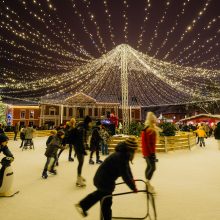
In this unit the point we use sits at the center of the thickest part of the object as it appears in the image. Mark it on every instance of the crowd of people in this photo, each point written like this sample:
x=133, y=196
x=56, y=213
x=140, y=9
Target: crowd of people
x=76, y=137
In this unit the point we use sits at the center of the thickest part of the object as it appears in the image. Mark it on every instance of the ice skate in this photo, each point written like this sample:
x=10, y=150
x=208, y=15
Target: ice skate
x=83, y=179
x=99, y=161
x=150, y=188
x=54, y=172
x=44, y=175
x=80, y=182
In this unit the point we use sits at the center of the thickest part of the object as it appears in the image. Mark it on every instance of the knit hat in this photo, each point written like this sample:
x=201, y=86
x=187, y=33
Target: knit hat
x=132, y=142
x=3, y=138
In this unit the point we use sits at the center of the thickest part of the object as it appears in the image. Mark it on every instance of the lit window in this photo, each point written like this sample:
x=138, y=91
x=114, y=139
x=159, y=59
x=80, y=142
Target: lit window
x=31, y=113
x=22, y=114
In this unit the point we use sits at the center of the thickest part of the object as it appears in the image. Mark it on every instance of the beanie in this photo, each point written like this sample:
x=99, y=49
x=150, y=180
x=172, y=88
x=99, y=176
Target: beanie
x=132, y=142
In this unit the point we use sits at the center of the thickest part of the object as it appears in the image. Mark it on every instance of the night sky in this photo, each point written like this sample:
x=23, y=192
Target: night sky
x=44, y=38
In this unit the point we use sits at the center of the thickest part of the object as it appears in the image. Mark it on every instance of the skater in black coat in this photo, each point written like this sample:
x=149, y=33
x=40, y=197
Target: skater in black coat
x=80, y=139
x=95, y=143
x=114, y=166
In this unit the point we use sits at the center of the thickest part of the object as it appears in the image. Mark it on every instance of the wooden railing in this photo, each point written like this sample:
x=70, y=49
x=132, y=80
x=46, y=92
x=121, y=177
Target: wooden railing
x=183, y=140
x=37, y=133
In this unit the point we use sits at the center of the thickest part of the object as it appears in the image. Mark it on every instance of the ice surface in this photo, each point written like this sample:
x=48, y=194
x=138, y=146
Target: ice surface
x=187, y=184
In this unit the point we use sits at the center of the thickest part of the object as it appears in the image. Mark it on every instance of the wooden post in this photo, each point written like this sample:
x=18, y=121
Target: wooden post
x=61, y=114
x=189, y=141
x=165, y=144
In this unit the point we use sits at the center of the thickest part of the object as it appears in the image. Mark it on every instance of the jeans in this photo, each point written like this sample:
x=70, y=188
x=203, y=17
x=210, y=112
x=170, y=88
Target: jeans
x=104, y=148
x=49, y=160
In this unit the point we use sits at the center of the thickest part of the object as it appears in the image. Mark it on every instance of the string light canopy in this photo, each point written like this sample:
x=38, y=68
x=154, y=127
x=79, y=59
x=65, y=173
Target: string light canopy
x=50, y=50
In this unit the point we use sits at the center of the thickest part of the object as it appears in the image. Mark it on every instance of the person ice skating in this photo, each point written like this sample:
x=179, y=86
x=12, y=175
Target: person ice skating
x=51, y=136
x=54, y=142
x=68, y=138
x=29, y=132
x=80, y=137
x=95, y=143
x=148, y=143
x=114, y=166
x=22, y=136
x=201, y=135
x=217, y=134
x=3, y=146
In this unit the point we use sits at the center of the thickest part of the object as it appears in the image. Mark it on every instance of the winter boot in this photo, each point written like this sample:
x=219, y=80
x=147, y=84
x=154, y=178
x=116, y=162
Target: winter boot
x=44, y=174
x=80, y=182
x=99, y=161
x=91, y=161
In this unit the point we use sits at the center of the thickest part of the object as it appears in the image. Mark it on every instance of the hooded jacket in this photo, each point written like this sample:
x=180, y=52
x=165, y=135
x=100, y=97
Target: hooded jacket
x=114, y=166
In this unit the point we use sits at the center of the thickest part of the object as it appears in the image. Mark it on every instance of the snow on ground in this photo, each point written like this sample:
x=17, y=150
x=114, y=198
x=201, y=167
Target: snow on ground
x=187, y=184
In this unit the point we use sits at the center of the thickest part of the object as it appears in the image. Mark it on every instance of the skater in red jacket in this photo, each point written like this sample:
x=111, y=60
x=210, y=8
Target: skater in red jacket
x=149, y=138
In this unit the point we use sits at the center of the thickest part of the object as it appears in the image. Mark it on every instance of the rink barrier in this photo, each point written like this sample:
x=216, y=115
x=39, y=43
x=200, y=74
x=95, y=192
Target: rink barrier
x=37, y=133
x=183, y=140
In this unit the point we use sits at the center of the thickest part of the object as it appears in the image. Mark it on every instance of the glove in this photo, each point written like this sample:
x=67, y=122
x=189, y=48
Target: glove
x=135, y=190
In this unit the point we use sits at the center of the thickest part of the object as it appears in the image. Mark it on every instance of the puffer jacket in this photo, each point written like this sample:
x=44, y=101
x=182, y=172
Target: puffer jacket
x=114, y=166
x=201, y=132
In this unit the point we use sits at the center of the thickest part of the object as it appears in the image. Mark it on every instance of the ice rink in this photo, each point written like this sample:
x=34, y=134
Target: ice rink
x=187, y=184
